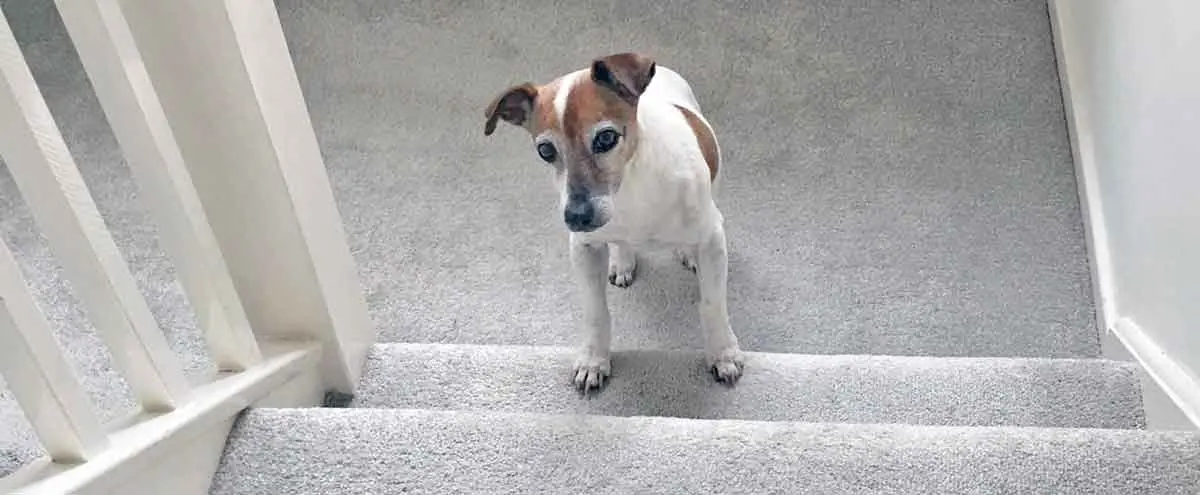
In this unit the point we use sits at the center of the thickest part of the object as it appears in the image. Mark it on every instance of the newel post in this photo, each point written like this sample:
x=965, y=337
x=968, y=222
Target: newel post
x=229, y=91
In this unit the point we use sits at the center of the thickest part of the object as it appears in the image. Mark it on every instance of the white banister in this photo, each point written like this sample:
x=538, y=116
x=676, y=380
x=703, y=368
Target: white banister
x=225, y=79
x=44, y=385
x=154, y=457
x=46, y=175
x=204, y=101
x=109, y=55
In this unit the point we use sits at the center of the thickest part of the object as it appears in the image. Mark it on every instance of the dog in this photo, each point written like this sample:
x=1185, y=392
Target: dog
x=636, y=166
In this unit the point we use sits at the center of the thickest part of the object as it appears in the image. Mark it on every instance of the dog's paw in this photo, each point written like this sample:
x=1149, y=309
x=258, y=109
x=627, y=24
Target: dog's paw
x=591, y=370
x=622, y=270
x=727, y=365
x=686, y=259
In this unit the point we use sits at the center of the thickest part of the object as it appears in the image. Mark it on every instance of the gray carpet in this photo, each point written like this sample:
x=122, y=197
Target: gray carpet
x=385, y=451
x=777, y=387
x=898, y=182
x=17, y=441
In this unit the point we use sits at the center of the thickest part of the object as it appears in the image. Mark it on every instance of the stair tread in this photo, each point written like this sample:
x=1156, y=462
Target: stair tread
x=776, y=387
x=350, y=451
x=923, y=207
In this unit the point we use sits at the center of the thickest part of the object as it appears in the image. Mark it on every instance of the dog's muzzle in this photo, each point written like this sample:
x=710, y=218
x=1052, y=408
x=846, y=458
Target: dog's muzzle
x=582, y=216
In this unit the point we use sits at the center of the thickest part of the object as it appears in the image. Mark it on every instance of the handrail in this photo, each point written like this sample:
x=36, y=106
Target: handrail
x=152, y=437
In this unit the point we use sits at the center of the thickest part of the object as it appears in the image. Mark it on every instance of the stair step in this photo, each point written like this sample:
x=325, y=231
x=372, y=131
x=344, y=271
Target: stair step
x=13, y=456
x=776, y=387
x=888, y=191
x=18, y=443
x=373, y=451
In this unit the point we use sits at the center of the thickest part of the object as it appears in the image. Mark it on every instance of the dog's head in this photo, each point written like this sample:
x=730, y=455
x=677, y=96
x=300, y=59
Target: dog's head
x=584, y=127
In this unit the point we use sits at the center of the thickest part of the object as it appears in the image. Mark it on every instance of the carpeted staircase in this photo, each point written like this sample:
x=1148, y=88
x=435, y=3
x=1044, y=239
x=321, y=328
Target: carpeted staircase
x=907, y=262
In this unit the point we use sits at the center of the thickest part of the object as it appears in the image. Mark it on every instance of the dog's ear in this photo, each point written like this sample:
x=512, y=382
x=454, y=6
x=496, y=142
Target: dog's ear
x=514, y=105
x=626, y=74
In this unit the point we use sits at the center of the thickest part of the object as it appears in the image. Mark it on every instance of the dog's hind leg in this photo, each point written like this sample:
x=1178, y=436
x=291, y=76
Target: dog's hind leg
x=622, y=264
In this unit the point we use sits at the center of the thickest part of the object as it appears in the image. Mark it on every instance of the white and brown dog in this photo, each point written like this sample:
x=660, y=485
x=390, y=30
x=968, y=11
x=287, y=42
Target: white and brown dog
x=636, y=165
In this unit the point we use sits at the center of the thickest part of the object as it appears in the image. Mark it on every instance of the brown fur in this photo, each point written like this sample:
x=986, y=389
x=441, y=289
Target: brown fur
x=512, y=105
x=588, y=104
x=623, y=77
x=625, y=74
x=708, y=142
x=609, y=91
x=545, y=117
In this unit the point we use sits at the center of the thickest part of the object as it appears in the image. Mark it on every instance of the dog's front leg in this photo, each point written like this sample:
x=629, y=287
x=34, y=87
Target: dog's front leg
x=721, y=345
x=590, y=262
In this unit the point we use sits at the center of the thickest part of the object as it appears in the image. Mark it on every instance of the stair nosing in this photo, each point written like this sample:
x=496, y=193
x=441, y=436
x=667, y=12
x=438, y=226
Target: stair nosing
x=791, y=355
x=600, y=418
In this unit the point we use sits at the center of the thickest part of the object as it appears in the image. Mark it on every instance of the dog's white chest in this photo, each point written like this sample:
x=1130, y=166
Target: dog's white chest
x=661, y=203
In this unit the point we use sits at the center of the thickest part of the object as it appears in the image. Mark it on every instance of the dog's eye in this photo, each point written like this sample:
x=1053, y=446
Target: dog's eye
x=547, y=152
x=605, y=140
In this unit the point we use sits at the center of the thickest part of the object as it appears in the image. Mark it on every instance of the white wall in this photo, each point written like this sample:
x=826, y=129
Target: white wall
x=1132, y=73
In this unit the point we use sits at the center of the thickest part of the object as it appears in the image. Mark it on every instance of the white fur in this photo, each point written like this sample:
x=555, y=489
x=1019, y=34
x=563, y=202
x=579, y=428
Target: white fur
x=560, y=98
x=665, y=200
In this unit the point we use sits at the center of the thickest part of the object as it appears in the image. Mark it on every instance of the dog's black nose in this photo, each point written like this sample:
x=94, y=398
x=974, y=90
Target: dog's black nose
x=579, y=215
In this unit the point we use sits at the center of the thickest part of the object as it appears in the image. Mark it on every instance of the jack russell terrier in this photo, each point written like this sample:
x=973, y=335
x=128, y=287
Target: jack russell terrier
x=636, y=166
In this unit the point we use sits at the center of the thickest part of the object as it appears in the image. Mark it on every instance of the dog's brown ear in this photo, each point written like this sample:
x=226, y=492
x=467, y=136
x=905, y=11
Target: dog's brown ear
x=626, y=74
x=514, y=105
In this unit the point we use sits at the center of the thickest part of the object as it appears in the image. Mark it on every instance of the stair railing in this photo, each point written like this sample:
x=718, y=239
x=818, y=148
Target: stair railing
x=206, y=106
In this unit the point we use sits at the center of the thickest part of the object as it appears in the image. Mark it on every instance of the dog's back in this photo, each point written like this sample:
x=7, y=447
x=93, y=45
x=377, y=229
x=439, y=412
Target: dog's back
x=667, y=85
x=670, y=87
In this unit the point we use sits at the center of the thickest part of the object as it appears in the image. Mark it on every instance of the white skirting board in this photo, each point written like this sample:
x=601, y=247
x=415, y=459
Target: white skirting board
x=1171, y=393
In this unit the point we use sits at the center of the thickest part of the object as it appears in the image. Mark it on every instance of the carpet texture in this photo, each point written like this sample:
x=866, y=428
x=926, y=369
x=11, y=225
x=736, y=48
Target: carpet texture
x=385, y=451
x=897, y=175
x=897, y=182
x=777, y=387
x=17, y=441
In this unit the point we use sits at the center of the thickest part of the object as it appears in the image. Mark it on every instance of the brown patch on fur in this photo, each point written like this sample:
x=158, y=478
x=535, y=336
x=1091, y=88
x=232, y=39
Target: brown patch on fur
x=625, y=74
x=609, y=91
x=525, y=105
x=513, y=105
x=588, y=104
x=708, y=142
x=544, y=116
